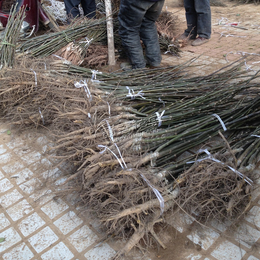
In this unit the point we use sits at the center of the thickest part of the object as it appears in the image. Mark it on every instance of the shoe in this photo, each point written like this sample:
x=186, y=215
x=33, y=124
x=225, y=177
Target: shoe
x=184, y=37
x=126, y=66
x=199, y=41
x=153, y=66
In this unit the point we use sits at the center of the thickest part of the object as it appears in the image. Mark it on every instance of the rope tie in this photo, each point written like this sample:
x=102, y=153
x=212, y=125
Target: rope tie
x=7, y=43
x=68, y=40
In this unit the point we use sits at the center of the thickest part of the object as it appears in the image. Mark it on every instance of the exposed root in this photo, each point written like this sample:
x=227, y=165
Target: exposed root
x=140, y=208
x=132, y=242
x=213, y=191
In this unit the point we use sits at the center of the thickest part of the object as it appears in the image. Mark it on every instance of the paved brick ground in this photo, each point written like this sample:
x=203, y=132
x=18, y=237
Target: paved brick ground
x=227, y=43
x=36, y=225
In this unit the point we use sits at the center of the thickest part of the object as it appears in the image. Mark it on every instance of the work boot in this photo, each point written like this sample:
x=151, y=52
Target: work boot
x=199, y=41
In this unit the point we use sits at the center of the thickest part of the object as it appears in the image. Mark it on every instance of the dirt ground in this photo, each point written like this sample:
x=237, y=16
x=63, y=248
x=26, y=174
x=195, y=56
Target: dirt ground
x=226, y=41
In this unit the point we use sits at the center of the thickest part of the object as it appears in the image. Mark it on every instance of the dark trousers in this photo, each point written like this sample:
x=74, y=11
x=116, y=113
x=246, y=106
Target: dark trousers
x=198, y=16
x=137, y=22
x=88, y=6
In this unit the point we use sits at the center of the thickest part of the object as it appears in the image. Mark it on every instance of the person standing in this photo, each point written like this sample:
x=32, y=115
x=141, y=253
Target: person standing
x=88, y=6
x=198, y=17
x=137, y=22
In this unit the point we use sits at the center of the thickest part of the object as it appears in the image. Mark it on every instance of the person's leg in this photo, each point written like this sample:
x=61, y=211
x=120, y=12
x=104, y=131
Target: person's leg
x=130, y=18
x=203, y=11
x=89, y=8
x=149, y=35
x=191, y=18
x=72, y=8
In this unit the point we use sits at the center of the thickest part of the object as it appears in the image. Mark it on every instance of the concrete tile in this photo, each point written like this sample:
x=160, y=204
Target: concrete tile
x=13, y=167
x=193, y=257
x=82, y=238
x=4, y=222
x=252, y=258
x=73, y=198
x=44, y=149
x=42, y=140
x=29, y=186
x=68, y=222
x=253, y=216
x=43, y=239
x=61, y=181
x=220, y=225
x=228, y=251
x=42, y=196
x=60, y=251
x=2, y=149
x=54, y=208
x=180, y=221
x=59, y=184
x=3, y=128
x=46, y=163
x=11, y=238
x=95, y=223
x=23, y=175
x=10, y=198
x=5, y=185
x=20, y=151
x=203, y=236
x=102, y=252
x=246, y=235
x=41, y=165
x=1, y=175
x=20, y=252
x=30, y=224
x=19, y=210
x=31, y=157
x=53, y=173
x=15, y=143
x=255, y=192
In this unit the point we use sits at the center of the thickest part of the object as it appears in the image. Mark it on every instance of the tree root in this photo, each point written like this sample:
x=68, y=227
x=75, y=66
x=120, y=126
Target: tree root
x=143, y=207
x=132, y=242
x=141, y=231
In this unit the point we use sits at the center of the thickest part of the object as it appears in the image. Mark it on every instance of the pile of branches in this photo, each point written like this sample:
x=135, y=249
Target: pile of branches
x=84, y=31
x=166, y=24
x=10, y=38
x=97, y=56
x=211, y=190
x=128, y=139
x=73, y=43
x=166, y=27
x=92, y=56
